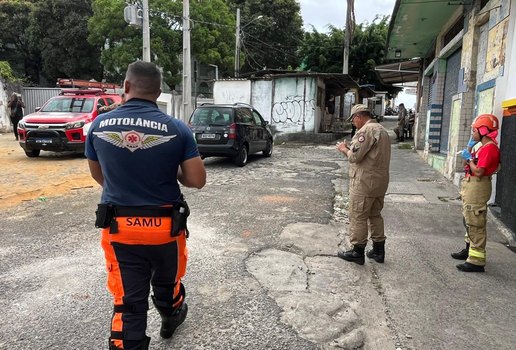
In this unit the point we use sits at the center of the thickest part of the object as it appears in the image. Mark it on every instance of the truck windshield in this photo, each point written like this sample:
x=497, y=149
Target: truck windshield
x=69, y=104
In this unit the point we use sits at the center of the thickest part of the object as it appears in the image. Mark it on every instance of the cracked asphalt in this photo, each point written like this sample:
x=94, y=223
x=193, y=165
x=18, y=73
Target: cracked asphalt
x=263, y=271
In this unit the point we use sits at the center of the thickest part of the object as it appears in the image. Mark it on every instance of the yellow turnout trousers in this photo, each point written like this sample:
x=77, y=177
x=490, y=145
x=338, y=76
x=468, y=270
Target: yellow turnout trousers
x=475, y=193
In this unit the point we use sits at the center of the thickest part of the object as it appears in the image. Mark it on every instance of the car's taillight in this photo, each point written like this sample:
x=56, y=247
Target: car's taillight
x=232, y=131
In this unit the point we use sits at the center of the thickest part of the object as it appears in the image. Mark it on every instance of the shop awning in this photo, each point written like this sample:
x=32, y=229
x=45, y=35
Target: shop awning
x=399, y=72
x=414, y=26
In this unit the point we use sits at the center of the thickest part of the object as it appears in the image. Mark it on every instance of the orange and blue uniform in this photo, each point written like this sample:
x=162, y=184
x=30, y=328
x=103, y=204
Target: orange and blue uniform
x=140, y=150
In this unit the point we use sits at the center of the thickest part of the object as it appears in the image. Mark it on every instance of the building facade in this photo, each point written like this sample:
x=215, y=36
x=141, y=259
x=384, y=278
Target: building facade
x=295, y=102
x=465, y=50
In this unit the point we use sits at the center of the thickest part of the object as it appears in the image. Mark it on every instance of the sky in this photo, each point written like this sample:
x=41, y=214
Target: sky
x=320, y=13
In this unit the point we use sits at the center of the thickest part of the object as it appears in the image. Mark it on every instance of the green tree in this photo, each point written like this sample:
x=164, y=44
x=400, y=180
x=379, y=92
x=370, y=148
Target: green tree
x=6, y=72
x=368, y=49
x=59, y=29
x=322, y=52
x=16, y=46
x=272, y=41
x=211, y=36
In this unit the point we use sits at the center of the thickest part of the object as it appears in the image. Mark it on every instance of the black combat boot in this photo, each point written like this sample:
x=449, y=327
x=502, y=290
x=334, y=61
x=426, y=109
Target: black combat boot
x=467, y=267
x=355, y=255
x=462, y=255
x=170, y=318
x=378, y=252
x=170, y=323
x=144, y=345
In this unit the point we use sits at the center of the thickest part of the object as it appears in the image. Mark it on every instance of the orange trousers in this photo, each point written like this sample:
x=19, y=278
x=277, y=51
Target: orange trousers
x=140, y=255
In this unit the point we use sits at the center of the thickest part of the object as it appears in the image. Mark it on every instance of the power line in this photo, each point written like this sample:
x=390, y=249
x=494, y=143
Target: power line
x=248, y=54
x=272, y=47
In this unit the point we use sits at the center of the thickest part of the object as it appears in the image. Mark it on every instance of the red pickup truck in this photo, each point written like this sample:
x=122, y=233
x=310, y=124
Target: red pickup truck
x=63, y=121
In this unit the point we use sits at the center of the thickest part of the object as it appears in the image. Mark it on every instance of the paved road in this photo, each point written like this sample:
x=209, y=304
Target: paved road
x=263, y=271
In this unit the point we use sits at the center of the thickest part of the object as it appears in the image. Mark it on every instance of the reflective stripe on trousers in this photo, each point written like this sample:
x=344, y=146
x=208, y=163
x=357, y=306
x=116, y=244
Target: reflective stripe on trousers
x=475, y=193
x=140, y=255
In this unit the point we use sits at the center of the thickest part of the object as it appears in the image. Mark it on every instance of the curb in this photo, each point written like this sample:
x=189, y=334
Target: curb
x=506, y=232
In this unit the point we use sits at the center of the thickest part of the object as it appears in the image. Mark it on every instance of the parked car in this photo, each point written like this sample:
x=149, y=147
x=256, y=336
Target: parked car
x=231, y=130
x=63, y=121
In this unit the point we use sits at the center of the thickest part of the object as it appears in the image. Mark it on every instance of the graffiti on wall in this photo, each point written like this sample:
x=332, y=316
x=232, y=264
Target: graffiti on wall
x=293, y=111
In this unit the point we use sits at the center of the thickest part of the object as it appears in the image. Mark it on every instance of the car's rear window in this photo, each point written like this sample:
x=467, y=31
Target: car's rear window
x=69, y=104
x=212, y=116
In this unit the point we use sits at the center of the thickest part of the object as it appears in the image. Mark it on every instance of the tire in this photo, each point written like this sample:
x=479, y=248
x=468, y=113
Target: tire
x=267, y=152
x=33, y=153
x=241, y=158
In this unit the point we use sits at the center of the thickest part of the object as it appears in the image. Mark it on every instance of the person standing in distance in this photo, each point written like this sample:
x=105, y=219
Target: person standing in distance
x=402, y=116
x=138, y=154
x=369, y=158
x=480, y=162
x=15, y=106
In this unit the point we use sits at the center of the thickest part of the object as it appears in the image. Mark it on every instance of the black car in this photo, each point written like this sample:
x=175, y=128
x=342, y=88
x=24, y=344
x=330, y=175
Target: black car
x=225, y=130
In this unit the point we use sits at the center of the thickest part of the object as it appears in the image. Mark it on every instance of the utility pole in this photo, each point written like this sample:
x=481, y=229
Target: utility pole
x=237, y=44
x=146, y=32
x=350, y=23
x=187, y=63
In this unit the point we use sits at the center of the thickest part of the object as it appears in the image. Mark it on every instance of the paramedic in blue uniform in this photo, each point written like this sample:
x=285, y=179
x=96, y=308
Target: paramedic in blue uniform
x=139, y=155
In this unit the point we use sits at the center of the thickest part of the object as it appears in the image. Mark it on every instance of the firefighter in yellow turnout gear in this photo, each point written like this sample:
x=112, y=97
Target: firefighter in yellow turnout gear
x=480, y=163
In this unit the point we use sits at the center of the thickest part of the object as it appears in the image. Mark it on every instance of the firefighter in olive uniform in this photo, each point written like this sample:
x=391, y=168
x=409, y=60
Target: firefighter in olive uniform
x=481, y=161
x=138, y=154
x=369, y=157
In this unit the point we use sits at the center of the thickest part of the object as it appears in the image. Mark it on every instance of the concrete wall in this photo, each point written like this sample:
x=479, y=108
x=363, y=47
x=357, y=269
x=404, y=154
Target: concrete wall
x=6, y=89
x=288, y=103
x=232, y=91
x=294, y=104
x=5, y=122
x=261, y=98
x=165, y=103
x=506, y=84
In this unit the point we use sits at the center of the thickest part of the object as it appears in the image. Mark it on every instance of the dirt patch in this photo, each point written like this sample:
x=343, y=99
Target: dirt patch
x=49, y=175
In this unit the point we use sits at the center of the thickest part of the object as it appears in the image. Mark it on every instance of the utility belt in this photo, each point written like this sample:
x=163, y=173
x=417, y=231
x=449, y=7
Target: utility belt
x=478, y=179
x=106, y=215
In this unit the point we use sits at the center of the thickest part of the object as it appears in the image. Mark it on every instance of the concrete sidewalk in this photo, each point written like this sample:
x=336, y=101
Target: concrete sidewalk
x=417, y=299
x=423, y=293
x=408, y=176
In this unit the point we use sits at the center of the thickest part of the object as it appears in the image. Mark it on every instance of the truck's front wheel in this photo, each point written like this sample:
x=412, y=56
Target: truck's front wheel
x=33, y=153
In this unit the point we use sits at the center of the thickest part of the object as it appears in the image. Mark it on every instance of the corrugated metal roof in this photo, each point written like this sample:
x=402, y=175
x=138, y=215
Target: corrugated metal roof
x=399, y=72
x=339, y=80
